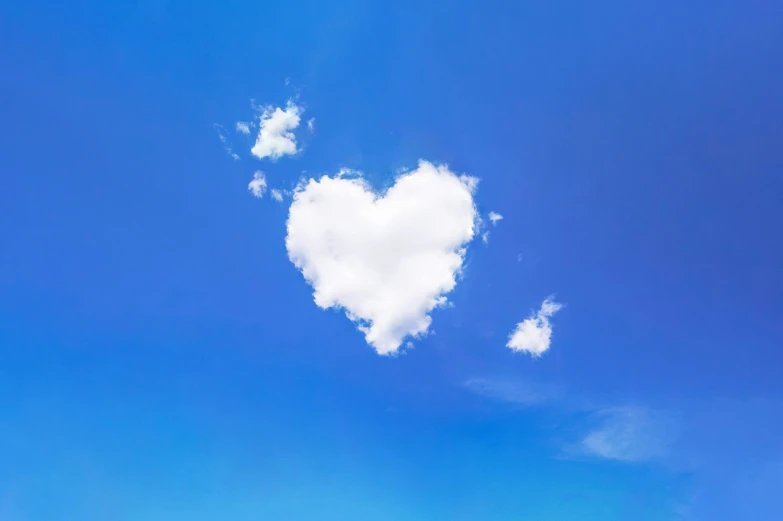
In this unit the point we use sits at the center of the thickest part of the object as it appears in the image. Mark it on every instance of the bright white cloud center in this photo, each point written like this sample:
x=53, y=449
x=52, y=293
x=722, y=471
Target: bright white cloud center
x=534, y=334
x=275, y=138
x=387, y=260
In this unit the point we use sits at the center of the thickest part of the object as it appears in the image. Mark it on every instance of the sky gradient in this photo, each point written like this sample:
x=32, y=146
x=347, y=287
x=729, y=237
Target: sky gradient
x=162, y=359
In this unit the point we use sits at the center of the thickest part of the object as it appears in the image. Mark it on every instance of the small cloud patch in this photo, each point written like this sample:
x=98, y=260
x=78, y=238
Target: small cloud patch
x=275, y=137
x=534, y=334
x=257, y=186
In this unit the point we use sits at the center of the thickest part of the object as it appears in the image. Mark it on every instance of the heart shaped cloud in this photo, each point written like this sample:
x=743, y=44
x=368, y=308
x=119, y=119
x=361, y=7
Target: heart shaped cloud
x=387, y=259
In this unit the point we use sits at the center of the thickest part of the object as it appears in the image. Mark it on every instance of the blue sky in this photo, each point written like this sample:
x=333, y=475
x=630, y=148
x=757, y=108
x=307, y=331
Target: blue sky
x=162, y=358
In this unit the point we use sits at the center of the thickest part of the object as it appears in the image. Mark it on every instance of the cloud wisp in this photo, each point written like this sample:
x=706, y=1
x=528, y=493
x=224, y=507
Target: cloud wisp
x=513, y=391
x=630, y=434
x=534, y=334
x=224, y=140
x=386, y=259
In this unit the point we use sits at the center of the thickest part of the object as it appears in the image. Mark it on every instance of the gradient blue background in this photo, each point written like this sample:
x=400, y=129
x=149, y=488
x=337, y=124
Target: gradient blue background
x=161, y=359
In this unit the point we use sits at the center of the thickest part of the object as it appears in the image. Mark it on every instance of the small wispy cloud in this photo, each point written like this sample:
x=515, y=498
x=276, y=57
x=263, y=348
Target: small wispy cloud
x=257, y=186
x=345, y=173
x=485, y=237
x=534, y=334
x=221, y=131
x=311, y=125
x=276, y=194
x=494, y=217
x=243, y=127
x=630, y=434
x=513, y=391
x=275, y=137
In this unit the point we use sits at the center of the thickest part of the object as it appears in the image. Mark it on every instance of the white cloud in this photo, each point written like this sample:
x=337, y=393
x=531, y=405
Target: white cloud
x=387, y=260
x=485, y=237
x=276, y=194
x=534, y=334
x=257, y=186
x=630, y=434
x=243, y=127
x=494, y=217
x=275, y=138
x=311, y=125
